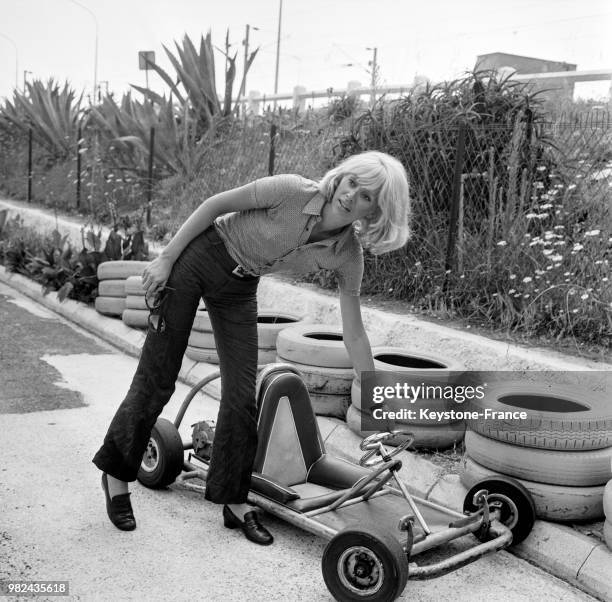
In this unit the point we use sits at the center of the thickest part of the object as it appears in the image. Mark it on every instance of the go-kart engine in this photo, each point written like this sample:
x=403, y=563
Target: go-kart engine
x=202, y=438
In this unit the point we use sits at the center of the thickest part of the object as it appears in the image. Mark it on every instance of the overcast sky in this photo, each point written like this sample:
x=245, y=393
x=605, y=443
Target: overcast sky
x=436, y=38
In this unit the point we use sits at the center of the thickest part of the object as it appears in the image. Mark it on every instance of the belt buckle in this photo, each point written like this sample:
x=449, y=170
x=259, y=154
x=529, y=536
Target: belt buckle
x=239, y=271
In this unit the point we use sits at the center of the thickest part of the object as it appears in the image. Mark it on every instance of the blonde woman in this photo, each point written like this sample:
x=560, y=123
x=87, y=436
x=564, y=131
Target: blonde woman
x=282, y=223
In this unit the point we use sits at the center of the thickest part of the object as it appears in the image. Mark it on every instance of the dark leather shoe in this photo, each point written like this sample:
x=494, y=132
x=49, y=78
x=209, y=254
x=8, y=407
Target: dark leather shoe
x=119, y=508
x=251, y=527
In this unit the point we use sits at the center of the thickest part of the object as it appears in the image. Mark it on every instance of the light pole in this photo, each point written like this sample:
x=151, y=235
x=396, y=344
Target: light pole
x=245, y=43
x=16, y=60
x=374, y=75
x=95, y=82
x=25, y=75
x=278, y=38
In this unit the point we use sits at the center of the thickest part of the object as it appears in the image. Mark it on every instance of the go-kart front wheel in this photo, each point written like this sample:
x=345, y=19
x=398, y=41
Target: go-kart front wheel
x=517, y=510
x=362, y=563
x=162, y=461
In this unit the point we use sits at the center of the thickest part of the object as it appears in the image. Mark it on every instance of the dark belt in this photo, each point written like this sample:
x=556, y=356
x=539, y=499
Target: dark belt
x=224, y=258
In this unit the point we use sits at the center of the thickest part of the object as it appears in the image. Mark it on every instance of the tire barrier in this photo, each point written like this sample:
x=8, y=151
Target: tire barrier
x=557, y=503
x=318, y=353
x=425, y=437
x=555, y=467
x=112, y=285
x=202, y=347
x=607, y=508
x=560, y=418
x=121, y=270
x=414, y=369
x=135, y=318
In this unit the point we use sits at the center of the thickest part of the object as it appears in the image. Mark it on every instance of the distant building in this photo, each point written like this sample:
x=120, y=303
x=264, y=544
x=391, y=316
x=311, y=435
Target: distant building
x=556, y=89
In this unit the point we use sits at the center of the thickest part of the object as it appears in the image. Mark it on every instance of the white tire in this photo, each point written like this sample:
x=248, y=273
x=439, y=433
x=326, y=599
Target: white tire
x=564, y=418
x=136, y=302
x=111, y=288
x=553, y=502
x=136, y=318
x=202, y=321
x=318, y=379
x=571, y=468
x=110, y=270
x=199, y=354
x=313, y=344
x=417, y=368
x=110, y=306
x=425, y=437
x=334, y=406
x=133, y=286
x=607, y=500
x=205, y=340
x=431, y=405
x=607, y=533
x=270, y=323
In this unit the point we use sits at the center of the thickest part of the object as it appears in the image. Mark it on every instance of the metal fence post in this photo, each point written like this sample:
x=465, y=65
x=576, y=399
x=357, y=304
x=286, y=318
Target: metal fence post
x=455, y=200
x=29, y=197
x=78, y=169
x=150, y=174
x=272, y=154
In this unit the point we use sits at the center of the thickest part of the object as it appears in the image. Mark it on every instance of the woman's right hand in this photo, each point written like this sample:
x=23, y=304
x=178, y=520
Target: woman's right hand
x=156, y=274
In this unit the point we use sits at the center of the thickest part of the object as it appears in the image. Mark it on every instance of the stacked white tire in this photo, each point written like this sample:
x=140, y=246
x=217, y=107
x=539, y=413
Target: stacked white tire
x=318, y=353
x=136, y=313
x=607, y=508
x=112, y=276
x=202, y=347
x=562, y=451
x=412, y=369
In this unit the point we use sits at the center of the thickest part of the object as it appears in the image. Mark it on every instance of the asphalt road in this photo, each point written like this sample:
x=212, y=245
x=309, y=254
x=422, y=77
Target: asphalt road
x=59, y=387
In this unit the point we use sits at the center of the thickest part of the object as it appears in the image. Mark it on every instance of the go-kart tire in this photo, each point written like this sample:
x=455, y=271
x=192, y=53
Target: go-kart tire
x=564, y=418
x=425, y=437
x=556, y=467
x=518, y=510
x=269, y=324
x=553, y=502
x=136, y=302
x=433, y=405
x=133, y=286
x=607, y=533
x=417, y=368
x=111, y=288
x=110, y=306
x=136, y=318
x=121, y=269
x=372, y=550
x=162, y=461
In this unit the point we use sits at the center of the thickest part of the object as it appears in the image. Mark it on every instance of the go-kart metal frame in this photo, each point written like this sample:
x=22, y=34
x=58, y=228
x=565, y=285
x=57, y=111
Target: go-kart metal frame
x=375, y=527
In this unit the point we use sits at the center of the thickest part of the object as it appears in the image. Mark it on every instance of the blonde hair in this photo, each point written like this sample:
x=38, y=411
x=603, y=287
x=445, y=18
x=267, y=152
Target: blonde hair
x=385, y=177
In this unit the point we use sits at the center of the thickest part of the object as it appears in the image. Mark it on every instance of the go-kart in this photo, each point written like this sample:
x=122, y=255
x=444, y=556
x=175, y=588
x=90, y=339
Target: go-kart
x=375, y=527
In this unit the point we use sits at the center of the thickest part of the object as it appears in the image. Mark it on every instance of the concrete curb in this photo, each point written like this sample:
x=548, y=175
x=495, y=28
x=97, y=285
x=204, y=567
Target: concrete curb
x=581, y=560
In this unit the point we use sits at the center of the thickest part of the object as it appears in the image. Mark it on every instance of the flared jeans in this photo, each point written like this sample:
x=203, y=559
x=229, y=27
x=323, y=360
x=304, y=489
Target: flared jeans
x=204, y=270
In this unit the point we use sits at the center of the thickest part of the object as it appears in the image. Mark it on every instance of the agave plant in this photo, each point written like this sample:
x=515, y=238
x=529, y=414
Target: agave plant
x=195, y=83
x=50, y=111
x=177, y=148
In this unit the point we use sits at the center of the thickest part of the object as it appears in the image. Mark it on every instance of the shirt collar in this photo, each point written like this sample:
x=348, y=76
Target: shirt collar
x=314, y=207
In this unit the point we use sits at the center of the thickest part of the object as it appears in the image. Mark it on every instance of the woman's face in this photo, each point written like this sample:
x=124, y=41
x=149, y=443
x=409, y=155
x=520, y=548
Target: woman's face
x=351, y=201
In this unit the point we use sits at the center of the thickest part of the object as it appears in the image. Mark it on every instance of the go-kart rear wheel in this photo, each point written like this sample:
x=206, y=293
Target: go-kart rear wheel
x=363, y=563
x=162, y=461
x=517, y=510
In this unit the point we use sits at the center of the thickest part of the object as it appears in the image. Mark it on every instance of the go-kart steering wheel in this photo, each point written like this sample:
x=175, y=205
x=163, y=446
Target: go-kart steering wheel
x=376, y=452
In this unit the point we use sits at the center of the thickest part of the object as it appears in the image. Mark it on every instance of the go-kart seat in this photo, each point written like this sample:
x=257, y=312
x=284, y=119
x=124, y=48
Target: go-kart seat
x=291, y=465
